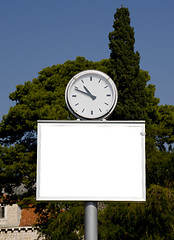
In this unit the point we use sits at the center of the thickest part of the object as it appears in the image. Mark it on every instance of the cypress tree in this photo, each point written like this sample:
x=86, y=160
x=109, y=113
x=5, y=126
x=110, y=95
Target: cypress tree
x=126, y=61
x=125, y=66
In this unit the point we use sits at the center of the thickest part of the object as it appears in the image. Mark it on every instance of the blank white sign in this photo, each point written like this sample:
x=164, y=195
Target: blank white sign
x=91, y=161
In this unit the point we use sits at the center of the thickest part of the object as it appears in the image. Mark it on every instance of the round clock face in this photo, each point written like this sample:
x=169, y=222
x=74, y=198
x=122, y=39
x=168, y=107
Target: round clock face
x=91, y=95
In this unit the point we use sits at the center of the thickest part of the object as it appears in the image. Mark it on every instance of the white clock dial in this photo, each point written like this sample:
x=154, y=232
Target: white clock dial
x=91, y=94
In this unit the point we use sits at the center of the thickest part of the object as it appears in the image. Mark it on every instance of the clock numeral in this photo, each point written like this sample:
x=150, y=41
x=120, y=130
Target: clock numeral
x=108, y=95
x=106, y=103
x=99, y=80
x=83, y=110
x=90, y=78
x=76, y=104
x=106, y=86
x=100, y=110
x=91, y=112
x=74, y=95
x=82, y=80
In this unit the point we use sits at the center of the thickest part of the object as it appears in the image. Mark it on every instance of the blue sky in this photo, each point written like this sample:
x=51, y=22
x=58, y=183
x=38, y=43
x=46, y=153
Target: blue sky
x=39, y=33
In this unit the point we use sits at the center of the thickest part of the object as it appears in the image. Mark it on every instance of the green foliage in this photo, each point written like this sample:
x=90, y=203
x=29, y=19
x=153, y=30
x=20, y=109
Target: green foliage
x=17, y=166
x=43, y=98
x=139, y=221
x=130, y=80
x=125, y=60
x=160, y=168
x=62, y=220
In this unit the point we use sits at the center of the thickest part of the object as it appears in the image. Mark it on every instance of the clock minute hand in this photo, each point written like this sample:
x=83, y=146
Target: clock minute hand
x=76, y=88
x=86, y=93
x=89, y=93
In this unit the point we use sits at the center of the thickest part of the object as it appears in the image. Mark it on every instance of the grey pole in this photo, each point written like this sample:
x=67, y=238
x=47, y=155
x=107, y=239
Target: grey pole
x=91, y=225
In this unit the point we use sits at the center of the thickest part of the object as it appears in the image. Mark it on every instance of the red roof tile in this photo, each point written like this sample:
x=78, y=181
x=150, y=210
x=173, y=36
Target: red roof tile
x=28, y=217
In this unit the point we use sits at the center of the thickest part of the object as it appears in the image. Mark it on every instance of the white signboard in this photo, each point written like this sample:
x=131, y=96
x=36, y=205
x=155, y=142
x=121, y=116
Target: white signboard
x=91, y=160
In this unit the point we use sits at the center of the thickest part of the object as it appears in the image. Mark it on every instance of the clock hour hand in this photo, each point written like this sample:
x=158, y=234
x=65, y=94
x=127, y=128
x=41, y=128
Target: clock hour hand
x=89, y=93
x=76, y=88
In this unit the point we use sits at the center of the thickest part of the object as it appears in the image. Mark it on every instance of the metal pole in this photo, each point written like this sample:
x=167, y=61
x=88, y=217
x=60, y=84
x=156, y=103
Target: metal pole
x=91, y=225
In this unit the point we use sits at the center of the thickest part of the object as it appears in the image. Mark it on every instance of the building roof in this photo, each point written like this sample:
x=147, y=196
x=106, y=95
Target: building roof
x=28, y=217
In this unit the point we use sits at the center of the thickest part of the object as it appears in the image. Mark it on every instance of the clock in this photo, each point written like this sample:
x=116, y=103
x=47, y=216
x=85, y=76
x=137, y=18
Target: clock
x=91, y=95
